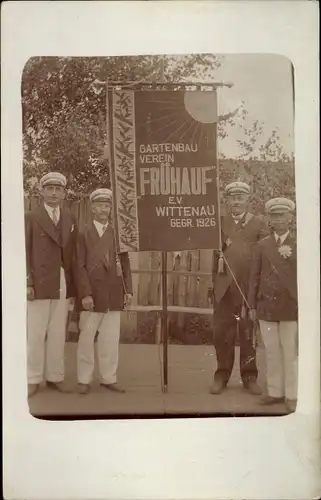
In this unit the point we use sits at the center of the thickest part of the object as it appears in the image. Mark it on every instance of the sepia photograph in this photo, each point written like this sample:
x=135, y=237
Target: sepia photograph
x=160, y=233
x=160, y=250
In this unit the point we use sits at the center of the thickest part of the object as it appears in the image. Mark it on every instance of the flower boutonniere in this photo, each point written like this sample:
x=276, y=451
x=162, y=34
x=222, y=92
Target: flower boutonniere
x=72, y=227
x=228, y=241
x=285, y=251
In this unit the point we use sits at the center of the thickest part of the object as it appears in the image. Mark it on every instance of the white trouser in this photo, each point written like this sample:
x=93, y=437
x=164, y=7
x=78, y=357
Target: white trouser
x=108, y=327
x=281, y=350
x=46, y=335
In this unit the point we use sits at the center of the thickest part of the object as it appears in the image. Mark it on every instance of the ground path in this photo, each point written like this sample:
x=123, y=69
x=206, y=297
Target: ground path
x=190, y=376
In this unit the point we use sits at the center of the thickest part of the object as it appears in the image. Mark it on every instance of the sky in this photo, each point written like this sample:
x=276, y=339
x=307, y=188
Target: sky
x=264, y=83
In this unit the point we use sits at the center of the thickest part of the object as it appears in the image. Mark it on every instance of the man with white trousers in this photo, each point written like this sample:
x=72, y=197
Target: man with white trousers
x=104, y=288
x=273, y=301
x=50, y=244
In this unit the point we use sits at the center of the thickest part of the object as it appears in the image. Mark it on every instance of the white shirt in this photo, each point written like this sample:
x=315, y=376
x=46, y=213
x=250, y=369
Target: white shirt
x=237, y=218
x=101, y=228
x=50, y=211
x=281, y=238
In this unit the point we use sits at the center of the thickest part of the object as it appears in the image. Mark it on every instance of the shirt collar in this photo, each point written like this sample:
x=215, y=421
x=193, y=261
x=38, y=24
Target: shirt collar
x=99, y=225
x=51, y=209
x=281, y=237
x=238, y=217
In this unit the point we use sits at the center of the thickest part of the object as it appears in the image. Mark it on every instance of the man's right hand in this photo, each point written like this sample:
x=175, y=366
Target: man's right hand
x=252, y=314
x=30, y=293
x=88, y=303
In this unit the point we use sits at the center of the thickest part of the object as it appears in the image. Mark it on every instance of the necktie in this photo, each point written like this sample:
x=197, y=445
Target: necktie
x=55, y=216
x=103, y=228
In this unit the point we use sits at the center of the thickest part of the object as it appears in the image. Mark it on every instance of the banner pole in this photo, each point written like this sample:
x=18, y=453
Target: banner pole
x=164, y=291
x=219, y=211
x=164, y=321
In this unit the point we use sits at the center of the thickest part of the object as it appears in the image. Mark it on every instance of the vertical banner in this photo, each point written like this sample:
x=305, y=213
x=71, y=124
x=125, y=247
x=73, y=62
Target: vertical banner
x=121, y=143
x=163, y=168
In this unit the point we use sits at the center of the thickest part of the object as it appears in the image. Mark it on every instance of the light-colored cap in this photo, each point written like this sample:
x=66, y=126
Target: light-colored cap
x=53, y=179
x=101, y=194
x=279, y=206
x=237, y=188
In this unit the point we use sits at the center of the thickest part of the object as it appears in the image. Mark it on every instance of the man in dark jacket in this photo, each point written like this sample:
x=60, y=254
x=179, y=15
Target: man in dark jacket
x=240, y=231
x=50, y=243
x=273, y=301
x=104, y=287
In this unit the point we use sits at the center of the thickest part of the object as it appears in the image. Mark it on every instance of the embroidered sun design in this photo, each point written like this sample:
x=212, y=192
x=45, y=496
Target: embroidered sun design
x=285, y=251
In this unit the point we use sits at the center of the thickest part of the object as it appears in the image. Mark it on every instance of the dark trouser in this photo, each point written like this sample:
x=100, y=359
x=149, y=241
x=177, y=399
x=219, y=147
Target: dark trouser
x=225, y=328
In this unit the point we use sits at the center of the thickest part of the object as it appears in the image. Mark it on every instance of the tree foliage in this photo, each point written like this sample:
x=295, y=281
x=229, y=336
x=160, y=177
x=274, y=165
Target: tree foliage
x=64, y=122
x=64, y=112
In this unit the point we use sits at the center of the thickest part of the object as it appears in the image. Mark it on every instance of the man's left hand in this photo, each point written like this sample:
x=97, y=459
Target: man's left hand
x=127, y=299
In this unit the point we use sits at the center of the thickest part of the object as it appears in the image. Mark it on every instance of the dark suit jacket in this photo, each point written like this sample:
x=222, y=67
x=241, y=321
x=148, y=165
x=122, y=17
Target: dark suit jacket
x=273, y=281
x=238, y=242
x=48, y=248
x=96, y=273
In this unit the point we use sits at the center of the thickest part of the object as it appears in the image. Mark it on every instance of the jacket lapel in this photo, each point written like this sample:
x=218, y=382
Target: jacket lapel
x=93, y=236
x=100, y=245
x=46, y=223
x=66, y=225
x=246, y=219
x=105, y=240
x=107, y=246
x=233, y=232
x=243, y=222
x=273, y=249
x=289, y=240
x=283, y=266
x=108, y=237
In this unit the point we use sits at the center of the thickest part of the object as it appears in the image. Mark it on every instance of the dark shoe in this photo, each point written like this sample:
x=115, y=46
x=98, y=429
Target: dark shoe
x=59, y=386
x=269, y=400
x=83, y=388
x=32, y=389
x=113, y=387
x=291, y=405
x=218, y=386
x=253, y=387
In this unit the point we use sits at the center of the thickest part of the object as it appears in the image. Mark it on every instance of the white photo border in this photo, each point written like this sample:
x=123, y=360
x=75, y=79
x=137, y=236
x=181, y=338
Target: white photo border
x=259, y=458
